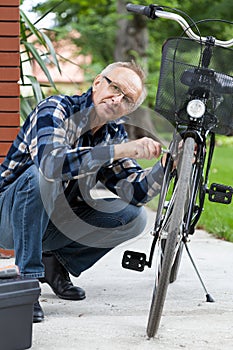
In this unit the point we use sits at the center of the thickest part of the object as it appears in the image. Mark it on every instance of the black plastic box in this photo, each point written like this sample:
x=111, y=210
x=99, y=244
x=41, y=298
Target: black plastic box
x=17, y=297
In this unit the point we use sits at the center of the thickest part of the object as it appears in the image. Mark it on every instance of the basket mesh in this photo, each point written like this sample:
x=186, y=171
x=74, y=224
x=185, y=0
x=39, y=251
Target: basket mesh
x=180, y=55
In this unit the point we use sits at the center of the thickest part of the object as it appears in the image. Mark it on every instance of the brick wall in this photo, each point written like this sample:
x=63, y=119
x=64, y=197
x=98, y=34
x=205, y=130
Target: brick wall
x=9, y=76
x=9, y=73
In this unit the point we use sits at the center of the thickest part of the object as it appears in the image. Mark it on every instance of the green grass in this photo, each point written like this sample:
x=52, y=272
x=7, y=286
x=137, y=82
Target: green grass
x=216, y=218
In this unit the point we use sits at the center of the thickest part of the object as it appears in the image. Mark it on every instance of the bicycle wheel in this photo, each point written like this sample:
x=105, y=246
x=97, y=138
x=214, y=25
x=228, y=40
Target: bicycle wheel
x=176, y=264
x=173, y=234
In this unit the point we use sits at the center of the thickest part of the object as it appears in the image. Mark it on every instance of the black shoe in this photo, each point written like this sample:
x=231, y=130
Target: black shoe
x=58, y=279
x=38, y=314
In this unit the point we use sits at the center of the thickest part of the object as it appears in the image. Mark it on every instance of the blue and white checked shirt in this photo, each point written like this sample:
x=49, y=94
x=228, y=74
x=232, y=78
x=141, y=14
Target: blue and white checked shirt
x=56, y=138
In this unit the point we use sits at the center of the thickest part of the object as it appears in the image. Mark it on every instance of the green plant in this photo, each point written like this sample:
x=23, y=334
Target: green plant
x=35, y=46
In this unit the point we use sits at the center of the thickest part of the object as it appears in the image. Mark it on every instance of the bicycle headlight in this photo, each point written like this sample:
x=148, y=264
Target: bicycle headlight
x=196, y=109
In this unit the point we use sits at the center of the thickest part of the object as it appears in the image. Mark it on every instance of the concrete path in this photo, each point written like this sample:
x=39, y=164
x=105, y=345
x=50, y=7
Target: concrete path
x=114, y=314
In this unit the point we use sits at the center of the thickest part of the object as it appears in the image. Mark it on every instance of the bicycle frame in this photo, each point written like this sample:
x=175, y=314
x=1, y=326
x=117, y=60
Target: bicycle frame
x=190, y=100
x=198, y=190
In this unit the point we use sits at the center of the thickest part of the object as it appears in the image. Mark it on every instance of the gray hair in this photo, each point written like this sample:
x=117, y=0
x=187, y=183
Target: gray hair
x=135, y=68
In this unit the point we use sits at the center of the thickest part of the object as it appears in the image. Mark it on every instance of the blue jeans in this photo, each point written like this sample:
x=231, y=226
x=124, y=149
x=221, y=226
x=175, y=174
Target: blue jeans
x=36, y=217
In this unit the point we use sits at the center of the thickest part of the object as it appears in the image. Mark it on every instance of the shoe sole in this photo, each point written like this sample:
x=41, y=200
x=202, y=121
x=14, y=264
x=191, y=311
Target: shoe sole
x=68, y=298
x=38, y=319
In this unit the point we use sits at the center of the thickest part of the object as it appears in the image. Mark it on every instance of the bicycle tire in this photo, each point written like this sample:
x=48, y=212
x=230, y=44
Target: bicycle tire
x=176, y=264
x=177, y=260
x=160, y=288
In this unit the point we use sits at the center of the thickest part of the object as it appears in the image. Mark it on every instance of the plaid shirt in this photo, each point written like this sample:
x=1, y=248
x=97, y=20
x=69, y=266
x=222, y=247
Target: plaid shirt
x=56, y=138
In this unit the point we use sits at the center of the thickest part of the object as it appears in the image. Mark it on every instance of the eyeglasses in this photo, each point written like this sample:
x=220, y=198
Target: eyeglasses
x=128, y=103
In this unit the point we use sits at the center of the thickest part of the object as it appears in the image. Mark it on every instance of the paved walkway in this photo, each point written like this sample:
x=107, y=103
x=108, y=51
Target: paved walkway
x=114, y=314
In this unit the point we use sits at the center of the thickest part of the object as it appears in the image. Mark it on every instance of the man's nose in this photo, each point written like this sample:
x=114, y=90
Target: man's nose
x=117, y=98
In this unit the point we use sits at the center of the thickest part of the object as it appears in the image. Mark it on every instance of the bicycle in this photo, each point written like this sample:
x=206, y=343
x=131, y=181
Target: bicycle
x=198, y=100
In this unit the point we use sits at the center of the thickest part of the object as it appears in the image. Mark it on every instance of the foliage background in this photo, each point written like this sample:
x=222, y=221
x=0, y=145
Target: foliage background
x=98, y=22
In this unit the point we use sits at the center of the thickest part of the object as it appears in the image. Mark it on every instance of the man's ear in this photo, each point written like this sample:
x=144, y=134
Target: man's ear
x=96, y=82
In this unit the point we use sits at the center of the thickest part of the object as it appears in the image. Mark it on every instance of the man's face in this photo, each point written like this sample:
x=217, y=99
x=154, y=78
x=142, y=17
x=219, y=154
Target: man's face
x=115, y=95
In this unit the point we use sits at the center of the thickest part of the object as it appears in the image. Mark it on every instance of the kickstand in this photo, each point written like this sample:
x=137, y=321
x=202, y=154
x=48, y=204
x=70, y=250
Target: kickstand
x=209, y=298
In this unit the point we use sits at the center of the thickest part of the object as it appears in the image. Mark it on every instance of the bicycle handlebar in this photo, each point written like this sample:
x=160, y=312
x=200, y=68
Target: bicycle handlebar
x=155, y=11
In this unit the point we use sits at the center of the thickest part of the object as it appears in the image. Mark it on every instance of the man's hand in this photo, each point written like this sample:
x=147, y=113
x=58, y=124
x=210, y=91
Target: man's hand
x=144, y=148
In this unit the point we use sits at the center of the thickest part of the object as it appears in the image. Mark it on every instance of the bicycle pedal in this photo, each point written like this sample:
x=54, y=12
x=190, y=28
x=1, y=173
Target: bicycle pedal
x=134, y=260
x=220, y=193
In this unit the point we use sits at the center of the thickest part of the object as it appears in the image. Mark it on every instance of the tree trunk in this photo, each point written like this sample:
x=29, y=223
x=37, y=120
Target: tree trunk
x=132, y=43
x=132, y=36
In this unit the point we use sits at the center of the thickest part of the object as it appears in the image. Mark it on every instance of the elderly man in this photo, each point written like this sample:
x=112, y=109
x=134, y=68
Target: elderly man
x=66, y=145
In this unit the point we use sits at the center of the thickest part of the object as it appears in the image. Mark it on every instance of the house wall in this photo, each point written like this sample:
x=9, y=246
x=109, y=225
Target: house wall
x=9, y=77
x=9, y=73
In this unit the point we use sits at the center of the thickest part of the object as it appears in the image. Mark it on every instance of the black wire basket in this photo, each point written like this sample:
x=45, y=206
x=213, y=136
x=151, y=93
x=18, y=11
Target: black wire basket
x=181, y=63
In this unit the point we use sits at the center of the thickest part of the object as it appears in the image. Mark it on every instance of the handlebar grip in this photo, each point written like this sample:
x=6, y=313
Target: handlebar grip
x=140, y=9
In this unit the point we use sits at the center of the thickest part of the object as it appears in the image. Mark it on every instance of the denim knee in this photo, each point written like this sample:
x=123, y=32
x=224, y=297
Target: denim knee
x=140, y=220
x=130, y=225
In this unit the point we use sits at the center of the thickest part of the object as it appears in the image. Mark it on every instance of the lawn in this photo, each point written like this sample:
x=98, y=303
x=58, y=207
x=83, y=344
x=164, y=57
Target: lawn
x=216, y=218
